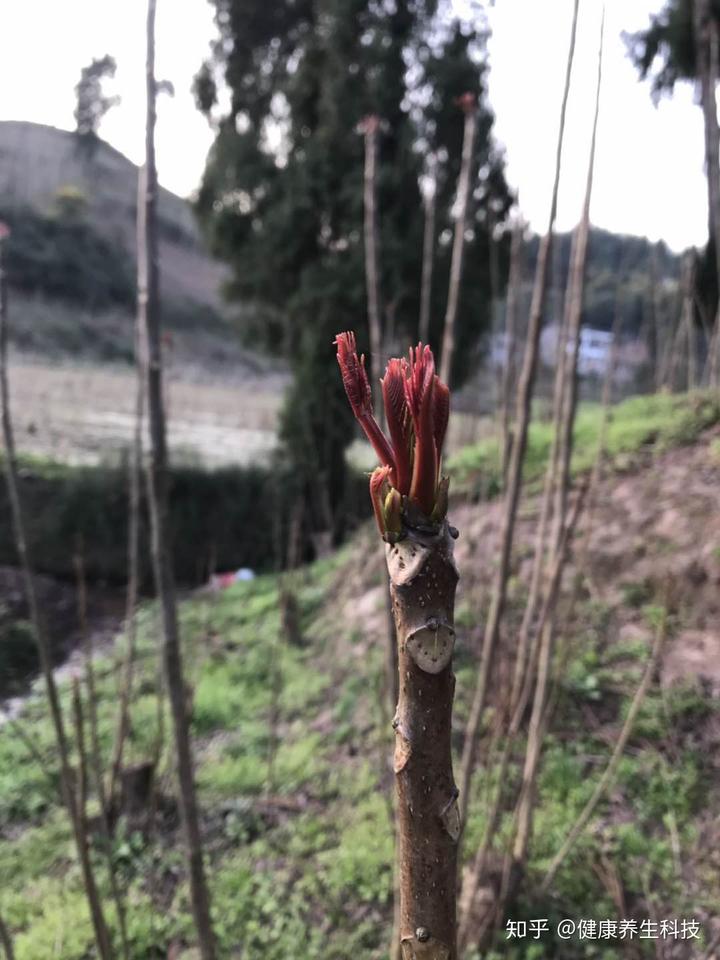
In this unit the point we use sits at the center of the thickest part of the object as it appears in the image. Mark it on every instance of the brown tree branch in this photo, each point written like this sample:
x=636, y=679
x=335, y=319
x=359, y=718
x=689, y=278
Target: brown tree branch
x=428, y=254
x=102, y=937
x=370, y=128
x=608, y=776
x=514, y=481
x=6, y=940
x=458, y=251
x=158, y=478
x=423, y=578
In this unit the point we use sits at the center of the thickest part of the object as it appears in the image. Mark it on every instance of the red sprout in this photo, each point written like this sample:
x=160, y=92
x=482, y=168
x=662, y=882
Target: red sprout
x=399, y=422
x=419, y=392
x=417, y=406
x=378, y=481
x=357, y=388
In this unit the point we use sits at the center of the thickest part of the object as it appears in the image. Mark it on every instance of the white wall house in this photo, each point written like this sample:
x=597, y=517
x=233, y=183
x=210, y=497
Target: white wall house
x=593, y=355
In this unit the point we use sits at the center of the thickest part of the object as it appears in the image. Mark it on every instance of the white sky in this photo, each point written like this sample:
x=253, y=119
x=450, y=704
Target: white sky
x=649, y=170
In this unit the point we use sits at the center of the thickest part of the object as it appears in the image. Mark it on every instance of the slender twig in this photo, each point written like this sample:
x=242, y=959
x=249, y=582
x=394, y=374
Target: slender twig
x=27, y=741
x=514, y=481
x=96, y=752
x=517, y=710
x=469, y=106
x=370, y=127
x=428, y=254
x=608, y=776
x=134, y=488
x=509, y=366
x=515, y=862
x=6, y=940
x=102, y=936
x=158, y=479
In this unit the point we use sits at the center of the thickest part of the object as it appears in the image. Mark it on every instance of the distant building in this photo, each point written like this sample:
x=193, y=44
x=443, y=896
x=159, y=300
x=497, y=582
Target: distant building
x=593, y=356
x=595, y=352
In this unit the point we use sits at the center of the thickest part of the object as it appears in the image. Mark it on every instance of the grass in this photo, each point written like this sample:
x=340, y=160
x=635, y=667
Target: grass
x=295, y=816
x=658, y=421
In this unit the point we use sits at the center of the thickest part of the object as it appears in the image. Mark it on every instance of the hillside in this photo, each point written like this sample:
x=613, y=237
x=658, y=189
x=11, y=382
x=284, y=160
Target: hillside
x=293, y=738
x=71, y=261
x=36, y=161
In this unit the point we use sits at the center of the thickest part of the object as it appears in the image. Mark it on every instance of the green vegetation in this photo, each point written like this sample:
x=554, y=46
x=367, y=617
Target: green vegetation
x=225, y=515
x=292, y=766
x=61, y=254
x=288, y=218
x=297, y=817
x=229, y=517
x=655, y=422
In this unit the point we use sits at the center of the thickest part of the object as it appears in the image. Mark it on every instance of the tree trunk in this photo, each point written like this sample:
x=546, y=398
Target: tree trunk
x=707, y=57
x=423, y=578
x=102, y=937
x=6, y=940
x=134, y=486
x=428, y=254
x=538, y=721
x=149, y=310
x=372, y=272
x=574, y=305
x=512, y=495
x=458, y=250
x=509, y=371
x=689, y=315
x=516, y=711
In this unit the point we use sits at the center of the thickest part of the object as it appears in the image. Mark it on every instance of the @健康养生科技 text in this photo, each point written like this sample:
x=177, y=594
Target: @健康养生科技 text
x=583, y=929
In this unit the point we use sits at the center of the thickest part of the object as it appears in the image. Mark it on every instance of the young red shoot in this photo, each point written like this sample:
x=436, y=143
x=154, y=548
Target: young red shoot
x=417, y=406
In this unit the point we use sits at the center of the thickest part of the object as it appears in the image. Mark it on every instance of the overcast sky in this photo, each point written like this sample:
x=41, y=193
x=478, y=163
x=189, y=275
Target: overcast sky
x=649, y=172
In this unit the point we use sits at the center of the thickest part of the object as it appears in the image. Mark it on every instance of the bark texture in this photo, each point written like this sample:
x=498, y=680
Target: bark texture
x=423, y=578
